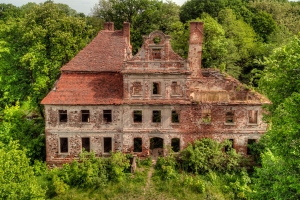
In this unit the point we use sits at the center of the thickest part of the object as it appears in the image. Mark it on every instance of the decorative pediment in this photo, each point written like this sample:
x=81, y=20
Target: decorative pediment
x=156, y=55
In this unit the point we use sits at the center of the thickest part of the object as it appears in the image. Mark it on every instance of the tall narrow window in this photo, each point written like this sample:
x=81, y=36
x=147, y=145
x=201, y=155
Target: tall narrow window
x=107, y=144
x=229, y=147
x=63, y=115
x=250, y=146
x=137, y=116
x=155, y=88
x=137, y=145
x=252, y=116
x=64, y=145
x=156, y=116
x=86, y=144
x=175, y=117
x=175, y=143
x=107, y=116
x=229, y=118
x=85, y=116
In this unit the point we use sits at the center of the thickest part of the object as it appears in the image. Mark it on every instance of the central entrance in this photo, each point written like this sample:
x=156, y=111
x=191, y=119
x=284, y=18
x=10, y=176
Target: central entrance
x=156, y=147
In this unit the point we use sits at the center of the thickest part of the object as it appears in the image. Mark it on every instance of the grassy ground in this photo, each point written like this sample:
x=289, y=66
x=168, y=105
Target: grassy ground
x=147, y=184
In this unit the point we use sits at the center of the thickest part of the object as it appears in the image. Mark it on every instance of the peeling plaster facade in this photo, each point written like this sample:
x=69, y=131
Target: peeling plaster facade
x=154, y=99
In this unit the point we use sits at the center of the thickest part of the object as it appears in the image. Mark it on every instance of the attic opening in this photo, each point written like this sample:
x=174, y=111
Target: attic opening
x=85, y=116
x=107, y=116
x=86, y=144
x=63, y=116
x=156, y=88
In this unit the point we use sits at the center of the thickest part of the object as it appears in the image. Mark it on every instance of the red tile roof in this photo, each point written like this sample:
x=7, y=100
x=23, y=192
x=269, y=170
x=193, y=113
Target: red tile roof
x=86, y=89
x=105, y=53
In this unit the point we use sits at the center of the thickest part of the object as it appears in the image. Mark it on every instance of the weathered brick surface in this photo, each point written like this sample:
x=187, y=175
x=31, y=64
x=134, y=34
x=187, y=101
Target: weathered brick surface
x=155, y=79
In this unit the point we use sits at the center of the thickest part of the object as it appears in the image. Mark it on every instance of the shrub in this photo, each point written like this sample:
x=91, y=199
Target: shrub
x=208, y=154
x=17, y=179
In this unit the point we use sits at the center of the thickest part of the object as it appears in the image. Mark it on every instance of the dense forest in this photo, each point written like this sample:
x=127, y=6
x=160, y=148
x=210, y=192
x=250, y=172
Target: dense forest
x=255, y=41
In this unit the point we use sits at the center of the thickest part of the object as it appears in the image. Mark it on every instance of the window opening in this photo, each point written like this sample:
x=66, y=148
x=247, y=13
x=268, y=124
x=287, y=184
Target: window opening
x=175, y=88
x=230, y=146
x=137, y=116
x=63, y=116
x=64, y=145
x=175, y=143
x=250, y=144
x=252, y=116
x=137, y=145
x=107, y=116
x=156, y=40
x=206, y=115
x=229, y=118
x=86, y=144
x=156, y=88
x=156, y=116
x=107, y=144
x=156, y=54
x=175, y=117
x=85, y=116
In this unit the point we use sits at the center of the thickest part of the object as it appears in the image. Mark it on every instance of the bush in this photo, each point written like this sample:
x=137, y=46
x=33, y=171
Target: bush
x=17, y=179
x=166, y=167
x=207, y=154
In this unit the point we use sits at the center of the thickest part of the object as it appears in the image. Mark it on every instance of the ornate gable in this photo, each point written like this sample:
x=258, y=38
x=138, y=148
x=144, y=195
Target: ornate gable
x=156, y=56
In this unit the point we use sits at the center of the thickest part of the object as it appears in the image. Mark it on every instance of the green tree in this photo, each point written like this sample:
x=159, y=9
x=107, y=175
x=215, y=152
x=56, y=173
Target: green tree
x=17, y=180
x=278, y=178
x=280, y=170
x=281, y=76
x=195, y=8
x=144, y=16
x=35, y=47
x=23, y=123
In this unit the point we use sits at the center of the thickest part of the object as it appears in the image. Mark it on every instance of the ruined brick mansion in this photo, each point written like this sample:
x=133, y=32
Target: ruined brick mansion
x=107, y=100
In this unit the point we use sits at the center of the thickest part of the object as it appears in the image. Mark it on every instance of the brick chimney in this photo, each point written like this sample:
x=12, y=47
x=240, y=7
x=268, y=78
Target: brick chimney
x=195, y=49
x=126, y=31
x=109, y=26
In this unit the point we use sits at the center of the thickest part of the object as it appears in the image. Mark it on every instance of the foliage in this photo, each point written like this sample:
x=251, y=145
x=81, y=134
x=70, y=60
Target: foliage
x=144, y=16
x=17, y=178
x=21, y=122
x=166, y=167
x=280, y=163
x=207, y=154
x=281, y=77
x=36, y=47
